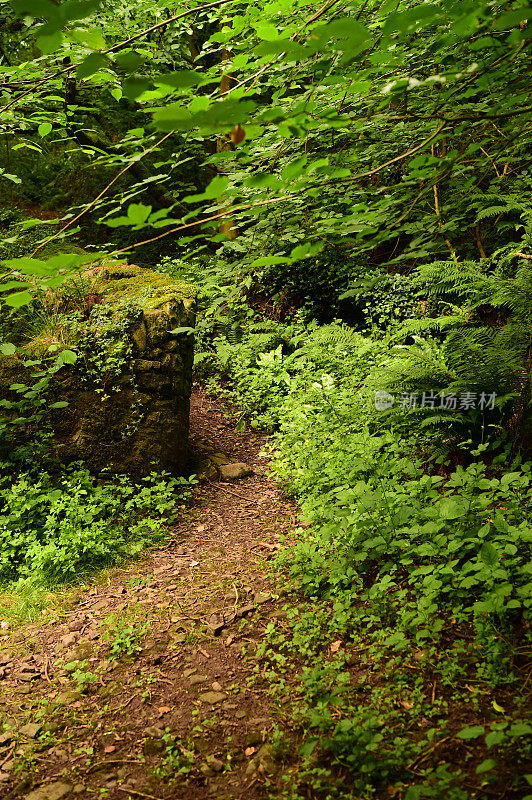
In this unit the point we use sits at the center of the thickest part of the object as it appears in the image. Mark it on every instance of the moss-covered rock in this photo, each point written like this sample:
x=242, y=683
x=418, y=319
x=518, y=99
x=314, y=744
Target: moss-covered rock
x=128, y=392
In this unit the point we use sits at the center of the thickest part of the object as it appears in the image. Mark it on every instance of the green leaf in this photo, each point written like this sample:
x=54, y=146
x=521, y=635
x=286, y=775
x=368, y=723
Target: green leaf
x=344, y=28
x=28, y=266
x=485, y=766
x=180, y=79
x=44, y=129
x=494, y=738
x=7, y=348
x=263, y=180
x=471, y=733
x=18, y=299
x=214, y=189
x=49, y=43
x=92, y=64
x=40, y=9
x=452, y=508
x=134, y=87
x=489, y=554
x=67, y=357
x=267, y=31
x=520, y=729
x=184, y=329
x=10, y=177
x=138, y=213
x=292, y=50
x=266, y=261
x=412, y=19
x=60, y=404
x=306, y=749
x=65, y=261
x=220, y=115
x=91, y=38
x=306, y=250
x=10, y=285
x=128, y=60
x=295, y=169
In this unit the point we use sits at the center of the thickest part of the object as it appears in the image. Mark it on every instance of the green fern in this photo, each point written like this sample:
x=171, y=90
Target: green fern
x=482, y=345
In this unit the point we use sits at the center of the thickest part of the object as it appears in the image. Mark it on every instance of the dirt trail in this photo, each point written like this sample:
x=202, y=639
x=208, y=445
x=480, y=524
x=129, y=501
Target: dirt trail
x=182, y=718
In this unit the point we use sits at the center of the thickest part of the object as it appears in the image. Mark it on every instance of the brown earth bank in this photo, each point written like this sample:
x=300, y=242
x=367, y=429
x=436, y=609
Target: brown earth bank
x=145, y=683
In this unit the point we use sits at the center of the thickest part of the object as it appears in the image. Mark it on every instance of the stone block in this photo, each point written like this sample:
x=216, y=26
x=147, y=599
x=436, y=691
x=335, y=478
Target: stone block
x=142, y=365
x=139, y=338
x=136, y=420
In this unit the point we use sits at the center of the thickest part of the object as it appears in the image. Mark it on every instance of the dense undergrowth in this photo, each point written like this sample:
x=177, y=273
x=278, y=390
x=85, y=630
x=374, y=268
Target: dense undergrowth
x=414, y=552
x=56, y=528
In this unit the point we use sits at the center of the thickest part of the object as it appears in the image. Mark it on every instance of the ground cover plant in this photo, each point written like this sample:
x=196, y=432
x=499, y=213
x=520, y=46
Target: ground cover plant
x=417, y=573
x=56, y=528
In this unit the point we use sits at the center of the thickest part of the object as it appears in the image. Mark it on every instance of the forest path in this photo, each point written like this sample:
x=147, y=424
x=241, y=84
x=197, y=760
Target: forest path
x=180, y=713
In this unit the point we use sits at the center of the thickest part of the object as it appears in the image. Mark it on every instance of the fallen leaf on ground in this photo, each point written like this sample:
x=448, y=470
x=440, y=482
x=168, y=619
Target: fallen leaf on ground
x=163, y=710
x=250, y=750
x=336, y=646
x=109, y=749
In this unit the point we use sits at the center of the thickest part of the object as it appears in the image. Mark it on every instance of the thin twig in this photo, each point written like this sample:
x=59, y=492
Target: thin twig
x=479, y=241
x=423, y=756
x=137, y=793
x=46, y=669
x=133, y=697
x=6, y=759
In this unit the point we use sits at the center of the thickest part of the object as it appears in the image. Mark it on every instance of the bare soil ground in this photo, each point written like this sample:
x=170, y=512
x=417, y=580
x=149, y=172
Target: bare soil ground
x=181, y=712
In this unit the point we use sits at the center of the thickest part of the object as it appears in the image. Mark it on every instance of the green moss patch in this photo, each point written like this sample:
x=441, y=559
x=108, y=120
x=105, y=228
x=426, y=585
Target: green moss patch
x=130, y=284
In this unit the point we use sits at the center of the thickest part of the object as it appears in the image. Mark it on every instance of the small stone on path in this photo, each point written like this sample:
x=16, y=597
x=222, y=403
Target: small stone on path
x=52, y=791
x=232, y=472
x=30, y=730
x=215, y=763
x=196, y=679
x=212, y=697
x=66, y=698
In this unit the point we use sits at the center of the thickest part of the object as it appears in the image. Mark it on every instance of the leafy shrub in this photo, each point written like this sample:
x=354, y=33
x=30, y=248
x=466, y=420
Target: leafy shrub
x=54, y=529
x=396, y=561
